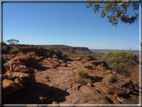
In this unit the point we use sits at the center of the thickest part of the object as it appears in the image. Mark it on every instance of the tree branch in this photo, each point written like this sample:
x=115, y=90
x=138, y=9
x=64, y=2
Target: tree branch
x=123, y=12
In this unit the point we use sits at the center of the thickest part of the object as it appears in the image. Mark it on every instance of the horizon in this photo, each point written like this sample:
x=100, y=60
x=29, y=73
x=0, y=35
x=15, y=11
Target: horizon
x=70, y=24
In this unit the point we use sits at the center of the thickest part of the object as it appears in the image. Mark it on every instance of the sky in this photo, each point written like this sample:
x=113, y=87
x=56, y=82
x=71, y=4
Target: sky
x=69, y=24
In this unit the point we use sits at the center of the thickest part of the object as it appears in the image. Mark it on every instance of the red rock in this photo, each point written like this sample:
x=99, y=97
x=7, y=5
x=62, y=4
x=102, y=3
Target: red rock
x=10, y=87
x=113, y=89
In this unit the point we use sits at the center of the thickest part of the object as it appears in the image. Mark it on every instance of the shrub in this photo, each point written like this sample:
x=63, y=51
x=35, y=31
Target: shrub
x=89, y=66
x=115, y=58
x=52, y=48
x=14, y=51
x=110, y=78
x=102, y=68
x=40, y=47
x=82, y=73
x=31, y=53
x=54, y=56
x=35, y=46
x=76, y=59
x=20, y=53
x=83, y=61
x=5, y=49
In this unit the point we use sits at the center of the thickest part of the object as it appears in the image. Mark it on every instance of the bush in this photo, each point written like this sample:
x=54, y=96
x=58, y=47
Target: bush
x=82, y=73
x=20, y=53
x=31, y=53
x=54, y=56
x=83, y=61
x=102, y=68
x=115, y=58
x=14, y=51
x=5, y=49
x=110, y=78
x=35, y=46
x=76, y=59
x=89, y=66
x=51, y=48
x=40, y=47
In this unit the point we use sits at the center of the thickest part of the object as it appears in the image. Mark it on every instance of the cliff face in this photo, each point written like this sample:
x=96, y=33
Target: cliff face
x=64, y=48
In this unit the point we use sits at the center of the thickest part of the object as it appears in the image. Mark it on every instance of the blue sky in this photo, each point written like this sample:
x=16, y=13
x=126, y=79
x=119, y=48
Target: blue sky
x=67, y=24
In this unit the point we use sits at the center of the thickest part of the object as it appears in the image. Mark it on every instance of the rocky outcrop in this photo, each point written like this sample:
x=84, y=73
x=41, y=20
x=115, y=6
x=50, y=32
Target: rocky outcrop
x=37, y=79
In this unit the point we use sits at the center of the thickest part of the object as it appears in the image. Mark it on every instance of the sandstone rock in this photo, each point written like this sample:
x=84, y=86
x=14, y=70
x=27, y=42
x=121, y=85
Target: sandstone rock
x=64, y=65
x=24, y=77
x=88, y=58
x=17, y=81
x=114, y=90
x=76, y=86
x=10, y=87
x=88, y=90
x=24, y=69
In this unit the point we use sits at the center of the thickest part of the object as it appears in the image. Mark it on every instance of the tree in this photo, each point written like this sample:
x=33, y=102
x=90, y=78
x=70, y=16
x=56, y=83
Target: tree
x=12, y=41
x=116, y=10
x=115, y=58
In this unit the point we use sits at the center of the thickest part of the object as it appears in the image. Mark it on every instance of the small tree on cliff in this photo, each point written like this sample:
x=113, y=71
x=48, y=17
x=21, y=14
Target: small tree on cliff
x=12, y=41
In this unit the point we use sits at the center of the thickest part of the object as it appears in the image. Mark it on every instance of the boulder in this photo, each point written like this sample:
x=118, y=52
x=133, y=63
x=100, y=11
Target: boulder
x=24, y=69
x=113, y=90
x=23, y=77
x=10, y=87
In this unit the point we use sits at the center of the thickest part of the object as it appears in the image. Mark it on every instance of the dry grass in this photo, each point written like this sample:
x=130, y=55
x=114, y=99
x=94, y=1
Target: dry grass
x=102, y=68
x=111, y=78
x=89, y=66
x=83, y=61
x=14, y=51
x=82, y=73
x=20, y=53
x=31, y=53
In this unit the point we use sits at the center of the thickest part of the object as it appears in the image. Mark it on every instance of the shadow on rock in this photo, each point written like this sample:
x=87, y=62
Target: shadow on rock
x=37, y=94
x=38, y=66
x=95, y=79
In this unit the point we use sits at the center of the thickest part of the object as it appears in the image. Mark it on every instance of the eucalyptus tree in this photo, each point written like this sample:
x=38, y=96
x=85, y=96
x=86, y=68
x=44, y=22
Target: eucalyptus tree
x=12, y=41
x=116, y=10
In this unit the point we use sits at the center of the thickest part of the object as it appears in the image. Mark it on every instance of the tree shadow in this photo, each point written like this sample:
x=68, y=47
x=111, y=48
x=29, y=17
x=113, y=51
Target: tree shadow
x=36, y=94
x=95, y=79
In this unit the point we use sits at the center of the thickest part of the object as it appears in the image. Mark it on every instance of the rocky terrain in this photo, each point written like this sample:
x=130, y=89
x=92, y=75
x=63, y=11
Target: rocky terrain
x=36, y=79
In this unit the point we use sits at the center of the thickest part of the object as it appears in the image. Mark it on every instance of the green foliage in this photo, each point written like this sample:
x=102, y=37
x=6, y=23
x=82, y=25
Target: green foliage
x=20, y=53
x=102, y=68
x=14, y=51
x=118, y=56
x=51, y=48
x=12, y=41
x=76, y=59
x=90, y=66
x=82, y=73
x=35, y=46
x=54, y=56
x=117, y=60
x=75, y=55
x=83, y=61
x=40, y=47
x=109, y=78
x=115, y=11
x=31, y=53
